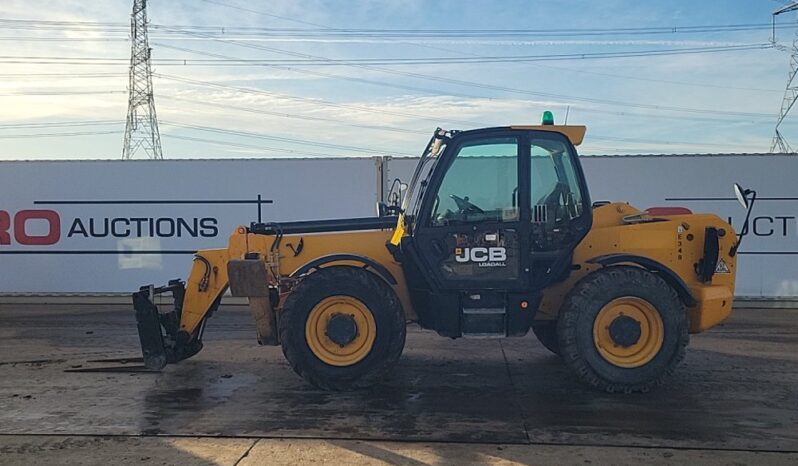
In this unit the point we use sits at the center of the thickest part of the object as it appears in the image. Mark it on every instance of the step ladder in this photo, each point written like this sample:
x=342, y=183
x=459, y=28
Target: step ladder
x=484, y=314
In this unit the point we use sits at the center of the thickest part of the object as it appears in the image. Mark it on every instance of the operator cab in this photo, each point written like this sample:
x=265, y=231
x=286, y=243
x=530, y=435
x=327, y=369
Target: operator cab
x=493, y=216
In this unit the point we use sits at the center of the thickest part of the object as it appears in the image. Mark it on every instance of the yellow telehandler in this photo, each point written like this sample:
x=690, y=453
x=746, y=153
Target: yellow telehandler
x=496, y=234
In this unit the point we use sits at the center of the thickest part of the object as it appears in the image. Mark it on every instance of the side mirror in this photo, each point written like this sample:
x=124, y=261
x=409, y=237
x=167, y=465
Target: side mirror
x=748, y=204
x=387, y=210
x=396, y=193
x=742, y=195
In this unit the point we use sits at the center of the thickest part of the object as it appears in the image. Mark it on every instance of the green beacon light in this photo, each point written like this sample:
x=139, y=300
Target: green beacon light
x=548, y=118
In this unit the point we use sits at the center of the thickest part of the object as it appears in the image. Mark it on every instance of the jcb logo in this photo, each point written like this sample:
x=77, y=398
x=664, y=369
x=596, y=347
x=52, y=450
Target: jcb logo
x=496, y=254
x=20, y=227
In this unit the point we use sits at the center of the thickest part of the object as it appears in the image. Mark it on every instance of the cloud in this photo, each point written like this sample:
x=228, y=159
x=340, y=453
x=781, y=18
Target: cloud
x=344, y=107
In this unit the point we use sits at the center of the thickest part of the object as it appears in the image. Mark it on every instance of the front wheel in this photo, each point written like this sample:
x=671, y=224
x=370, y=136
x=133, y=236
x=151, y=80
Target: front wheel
x=623, y=329
x=342, y=328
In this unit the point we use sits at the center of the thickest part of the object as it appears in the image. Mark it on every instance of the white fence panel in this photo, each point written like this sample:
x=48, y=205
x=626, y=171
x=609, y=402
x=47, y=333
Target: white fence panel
x=110, y=226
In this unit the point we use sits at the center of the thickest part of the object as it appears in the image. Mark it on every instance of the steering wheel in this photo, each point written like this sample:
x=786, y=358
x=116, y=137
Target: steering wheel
x=465, y=206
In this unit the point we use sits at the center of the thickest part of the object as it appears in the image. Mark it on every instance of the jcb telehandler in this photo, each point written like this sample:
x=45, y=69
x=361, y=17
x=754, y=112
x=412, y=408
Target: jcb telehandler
x=496, y=234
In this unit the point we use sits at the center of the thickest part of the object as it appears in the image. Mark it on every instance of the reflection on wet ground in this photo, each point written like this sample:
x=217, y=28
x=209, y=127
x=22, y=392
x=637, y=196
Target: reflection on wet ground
x=736, y=390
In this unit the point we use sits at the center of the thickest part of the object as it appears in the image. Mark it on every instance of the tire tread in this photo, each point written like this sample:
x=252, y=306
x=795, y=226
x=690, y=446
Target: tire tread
x=294, y=314
x=584, y=295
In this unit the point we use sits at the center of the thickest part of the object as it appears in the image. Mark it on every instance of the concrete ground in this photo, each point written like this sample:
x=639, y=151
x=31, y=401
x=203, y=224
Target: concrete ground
x=467, y=401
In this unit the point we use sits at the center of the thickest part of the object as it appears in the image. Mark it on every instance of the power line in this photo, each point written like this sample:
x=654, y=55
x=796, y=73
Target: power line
x=63, y=39
x=284, y=139
x=391, y=71
x=426, y=117
x=662, y=142
x=593, y=136
x=262, y=13
x=623, y=76
x=260, y=111
x=49, y=135
x=324, y=154
x=318, y=102
x=376, y=151
x=228, y=106
x=240, y=145
x=588, y=110
x=279, y=51
x=656, y=80
x=480, y=59
x=492, y=87
x=54, y=93
x=464, y=33
x=325, y=31
x=227, y=35
x=323, y=74
x=369, y=150
x=62, y=75
x=318, y=29
x=438, y=78
x=392, y=61
x=61, y=124
x=269, y=137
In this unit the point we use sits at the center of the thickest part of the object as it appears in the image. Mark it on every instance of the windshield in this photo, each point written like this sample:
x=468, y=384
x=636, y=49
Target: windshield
x=480, y=184
x=418, y=183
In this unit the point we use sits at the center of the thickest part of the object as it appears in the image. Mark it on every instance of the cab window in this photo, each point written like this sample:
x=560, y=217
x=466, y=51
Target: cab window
x=480, y=185
x=556, y=195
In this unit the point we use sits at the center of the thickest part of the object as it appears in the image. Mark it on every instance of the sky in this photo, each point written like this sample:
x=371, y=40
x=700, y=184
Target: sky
x=211, y=106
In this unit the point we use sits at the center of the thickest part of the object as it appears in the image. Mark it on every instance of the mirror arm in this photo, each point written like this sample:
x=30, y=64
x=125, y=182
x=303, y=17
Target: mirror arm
x=733, y=250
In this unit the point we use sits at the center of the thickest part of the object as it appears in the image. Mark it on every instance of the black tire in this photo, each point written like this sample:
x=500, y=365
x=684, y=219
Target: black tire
x=582, y=306
x=380, y=300
x=546, y=331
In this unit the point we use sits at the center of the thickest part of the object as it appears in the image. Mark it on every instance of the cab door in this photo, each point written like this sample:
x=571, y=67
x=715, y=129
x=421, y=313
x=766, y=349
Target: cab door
x=473, y=228
x=561, y=214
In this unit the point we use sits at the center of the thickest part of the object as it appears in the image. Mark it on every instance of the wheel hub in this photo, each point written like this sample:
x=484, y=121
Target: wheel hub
x=625, y=331
x=341, y=329
x=628, y=332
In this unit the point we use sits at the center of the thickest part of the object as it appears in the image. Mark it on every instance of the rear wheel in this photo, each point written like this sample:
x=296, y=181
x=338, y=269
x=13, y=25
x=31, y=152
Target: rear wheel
x=546, y=331
x=623, y=329
x=341, y=328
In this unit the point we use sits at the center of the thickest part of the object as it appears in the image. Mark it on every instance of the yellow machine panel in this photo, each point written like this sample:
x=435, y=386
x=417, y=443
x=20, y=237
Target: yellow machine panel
x=674, y=242
x=670, y=242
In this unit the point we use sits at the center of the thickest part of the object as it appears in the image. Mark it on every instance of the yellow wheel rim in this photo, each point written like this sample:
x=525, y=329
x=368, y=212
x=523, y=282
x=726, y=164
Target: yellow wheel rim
x=334, y=353
x=628, y=354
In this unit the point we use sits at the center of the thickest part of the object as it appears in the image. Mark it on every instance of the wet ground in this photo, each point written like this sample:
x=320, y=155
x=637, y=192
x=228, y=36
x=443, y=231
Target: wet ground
x=737, y=390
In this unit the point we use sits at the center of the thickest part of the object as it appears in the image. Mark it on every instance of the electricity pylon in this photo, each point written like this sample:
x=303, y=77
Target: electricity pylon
x=141, y=129
x=780, y=144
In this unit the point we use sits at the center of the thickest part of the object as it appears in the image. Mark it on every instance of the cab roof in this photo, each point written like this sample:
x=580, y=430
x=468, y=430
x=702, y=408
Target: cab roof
x=574, y=133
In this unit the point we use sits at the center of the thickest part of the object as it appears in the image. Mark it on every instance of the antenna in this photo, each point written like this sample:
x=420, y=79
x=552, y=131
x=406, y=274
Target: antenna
x=141, y=130
x=779, y=144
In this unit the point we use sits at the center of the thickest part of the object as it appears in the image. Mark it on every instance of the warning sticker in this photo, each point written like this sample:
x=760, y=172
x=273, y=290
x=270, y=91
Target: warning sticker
x=722, y=267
